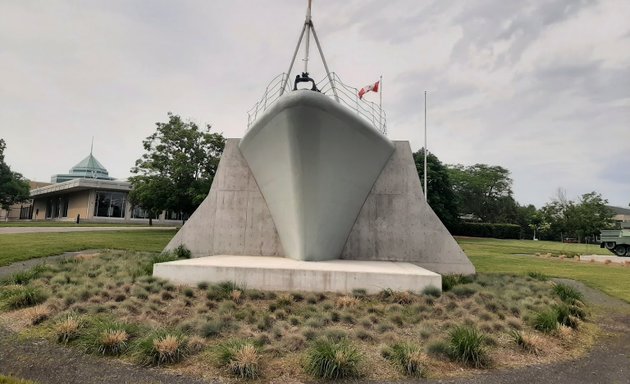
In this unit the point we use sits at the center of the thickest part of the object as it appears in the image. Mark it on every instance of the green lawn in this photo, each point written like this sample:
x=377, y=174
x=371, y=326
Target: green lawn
x=69, y=224
x=24, y=246
x=510, y=256
x=488, y=255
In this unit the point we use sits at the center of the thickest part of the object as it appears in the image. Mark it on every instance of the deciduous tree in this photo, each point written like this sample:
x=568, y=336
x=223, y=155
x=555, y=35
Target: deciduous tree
x=176, y=171
x=484, y=191
x=581, y=219
x=13, y=187
x=440, y=191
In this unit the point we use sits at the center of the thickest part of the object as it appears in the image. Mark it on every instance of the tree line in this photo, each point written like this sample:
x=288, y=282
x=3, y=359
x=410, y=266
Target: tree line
x=482, y=193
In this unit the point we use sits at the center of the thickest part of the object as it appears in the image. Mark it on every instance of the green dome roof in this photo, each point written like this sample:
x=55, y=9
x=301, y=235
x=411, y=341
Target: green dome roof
x=88, y=168
x=89, y=165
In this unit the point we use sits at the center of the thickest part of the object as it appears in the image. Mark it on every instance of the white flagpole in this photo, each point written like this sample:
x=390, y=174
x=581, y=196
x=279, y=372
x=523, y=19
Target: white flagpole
x=425, y=147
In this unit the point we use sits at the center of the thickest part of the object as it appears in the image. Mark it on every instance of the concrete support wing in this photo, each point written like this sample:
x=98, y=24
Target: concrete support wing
x=394, y=222
x=234, y=218
x=397, y=224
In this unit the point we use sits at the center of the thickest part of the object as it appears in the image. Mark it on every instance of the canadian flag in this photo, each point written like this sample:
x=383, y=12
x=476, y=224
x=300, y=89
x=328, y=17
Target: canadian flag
x=368, y=88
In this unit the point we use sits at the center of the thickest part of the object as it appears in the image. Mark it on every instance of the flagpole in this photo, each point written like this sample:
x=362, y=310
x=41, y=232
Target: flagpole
x=380, y=103
x=425, y=147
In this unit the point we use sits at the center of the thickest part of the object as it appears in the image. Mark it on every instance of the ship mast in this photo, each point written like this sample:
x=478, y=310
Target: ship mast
x=309, y=28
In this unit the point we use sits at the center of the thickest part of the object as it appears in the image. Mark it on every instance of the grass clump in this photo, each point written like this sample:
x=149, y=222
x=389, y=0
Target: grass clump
x=162, y=348
x=546, y=321
x=450, y=281
x=213, y=328
x=466, y=346
x=407, y=357
x=432, y=291
x=105, y=336
x=242, y=359
x=24, y=277
x=567, y=293
x=359, y=293
x=13, y=380
x=19, y=296
x=529, y=343
x=38, y=314
x=67, y=329
x=537, y=276
x=330, y=359
x=181, y=252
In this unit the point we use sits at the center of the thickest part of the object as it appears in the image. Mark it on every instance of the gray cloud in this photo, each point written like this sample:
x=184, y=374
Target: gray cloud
x=539, y=87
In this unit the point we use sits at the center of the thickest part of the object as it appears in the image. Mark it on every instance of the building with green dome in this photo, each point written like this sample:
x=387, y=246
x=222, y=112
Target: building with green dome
x=88, y=168
x=88, y=193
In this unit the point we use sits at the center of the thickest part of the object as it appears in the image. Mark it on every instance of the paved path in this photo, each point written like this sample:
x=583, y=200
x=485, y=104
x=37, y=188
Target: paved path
x=14, y=230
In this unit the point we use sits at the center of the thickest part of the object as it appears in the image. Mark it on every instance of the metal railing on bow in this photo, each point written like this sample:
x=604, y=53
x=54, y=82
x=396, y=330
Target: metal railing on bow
x=345, y=94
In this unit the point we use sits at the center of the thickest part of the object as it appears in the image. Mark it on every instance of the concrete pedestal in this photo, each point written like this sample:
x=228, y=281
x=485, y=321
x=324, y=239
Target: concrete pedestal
x=283, y=274
x=394, y=224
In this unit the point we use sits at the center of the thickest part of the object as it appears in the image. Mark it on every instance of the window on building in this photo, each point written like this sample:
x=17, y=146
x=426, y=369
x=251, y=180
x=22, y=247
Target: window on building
x=110, y=204
x=172, y=215
x=57, y=207
x=139, y=213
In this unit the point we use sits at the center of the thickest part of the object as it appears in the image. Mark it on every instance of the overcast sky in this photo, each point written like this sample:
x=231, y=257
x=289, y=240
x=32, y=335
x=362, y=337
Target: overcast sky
x=539, y=87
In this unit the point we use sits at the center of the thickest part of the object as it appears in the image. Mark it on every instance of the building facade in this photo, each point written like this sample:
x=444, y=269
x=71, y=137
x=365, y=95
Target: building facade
x=85, y=193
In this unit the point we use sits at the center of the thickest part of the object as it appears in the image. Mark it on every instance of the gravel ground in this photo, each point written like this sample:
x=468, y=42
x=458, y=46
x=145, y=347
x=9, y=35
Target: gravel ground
x=45, y=362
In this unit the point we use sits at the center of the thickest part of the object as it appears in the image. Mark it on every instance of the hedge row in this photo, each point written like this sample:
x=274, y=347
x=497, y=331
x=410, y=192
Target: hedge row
x=497, y=231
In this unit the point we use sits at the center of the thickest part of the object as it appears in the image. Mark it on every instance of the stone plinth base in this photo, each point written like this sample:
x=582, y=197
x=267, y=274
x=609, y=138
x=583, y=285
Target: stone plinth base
x=282, y=274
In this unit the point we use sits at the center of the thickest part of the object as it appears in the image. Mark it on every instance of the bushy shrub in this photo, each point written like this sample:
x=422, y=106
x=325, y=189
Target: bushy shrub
x=494, y=230
x=466, y=346
x=241, y=358
x=407, y=357
x=328, y=359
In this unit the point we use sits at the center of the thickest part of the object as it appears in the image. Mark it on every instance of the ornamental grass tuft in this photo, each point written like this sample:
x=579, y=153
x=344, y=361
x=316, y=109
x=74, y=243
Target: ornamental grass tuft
x=241, y=358
x=408, y=358
x=333, y=360
x=466, y=346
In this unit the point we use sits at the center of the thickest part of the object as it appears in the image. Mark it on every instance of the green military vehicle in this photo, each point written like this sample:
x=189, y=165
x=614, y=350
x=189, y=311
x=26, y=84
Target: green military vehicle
x=616, y=241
